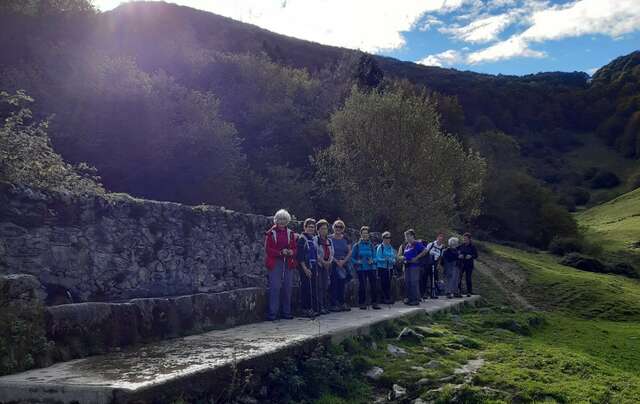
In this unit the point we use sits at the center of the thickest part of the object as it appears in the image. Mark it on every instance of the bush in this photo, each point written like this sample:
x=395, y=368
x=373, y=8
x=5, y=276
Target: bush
x=565, y=245
x=605, y=179
x=26, y=155
x=580, y=196
x=584, y=262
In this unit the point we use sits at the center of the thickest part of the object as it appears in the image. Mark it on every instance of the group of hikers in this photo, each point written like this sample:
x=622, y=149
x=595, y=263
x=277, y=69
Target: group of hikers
x=325, y=262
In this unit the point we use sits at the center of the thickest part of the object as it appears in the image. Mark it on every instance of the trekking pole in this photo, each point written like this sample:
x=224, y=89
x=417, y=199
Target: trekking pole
x=433, y=279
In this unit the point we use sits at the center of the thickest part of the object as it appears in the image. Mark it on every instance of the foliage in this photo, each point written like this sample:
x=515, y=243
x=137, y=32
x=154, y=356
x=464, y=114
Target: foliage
x=604, y=179
x=23, y=342
x=516, y=207
x=618, y=115
x=390, y=160
x=26, y=155
x=322, y=373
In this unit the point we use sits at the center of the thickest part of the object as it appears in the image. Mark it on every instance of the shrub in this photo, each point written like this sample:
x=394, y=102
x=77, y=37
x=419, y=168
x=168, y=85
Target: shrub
x=584, y=263
x=605, y=179
x=580, y=196
x=565, y=245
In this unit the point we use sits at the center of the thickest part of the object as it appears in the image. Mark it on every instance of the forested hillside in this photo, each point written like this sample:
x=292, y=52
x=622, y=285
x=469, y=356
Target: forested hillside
x=173, y=103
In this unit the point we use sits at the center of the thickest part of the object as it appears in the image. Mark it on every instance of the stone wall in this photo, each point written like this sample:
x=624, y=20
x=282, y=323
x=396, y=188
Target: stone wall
x=114, y=248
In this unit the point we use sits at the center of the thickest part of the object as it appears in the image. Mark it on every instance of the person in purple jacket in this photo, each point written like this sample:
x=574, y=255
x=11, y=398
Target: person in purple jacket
x=410, y=254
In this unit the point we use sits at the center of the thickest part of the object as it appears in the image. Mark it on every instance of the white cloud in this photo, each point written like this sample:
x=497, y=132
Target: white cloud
x=485, y=29
x=592, y=71
x=446, y=58
x=512, y=47
x=428, y=23
x=613, y=18
x=369, y=25
x=583, y=17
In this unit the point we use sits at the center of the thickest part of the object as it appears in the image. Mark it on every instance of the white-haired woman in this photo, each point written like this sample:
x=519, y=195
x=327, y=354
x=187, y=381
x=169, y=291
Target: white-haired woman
x=280, y=249
x=451, y=263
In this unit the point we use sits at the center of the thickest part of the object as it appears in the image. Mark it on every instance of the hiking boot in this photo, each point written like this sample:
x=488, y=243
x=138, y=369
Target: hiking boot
x=363, y=307
x=324, y=311
x=376, y=307
x=346, y=308
x=288, y=317
x=468, y=294
x=449, y=296
x=413, y=303
x=335, y=309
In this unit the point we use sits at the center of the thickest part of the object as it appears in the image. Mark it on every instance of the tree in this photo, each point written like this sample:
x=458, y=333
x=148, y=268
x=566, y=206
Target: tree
x=515, y=206
x=394, y=166
x=26, y=155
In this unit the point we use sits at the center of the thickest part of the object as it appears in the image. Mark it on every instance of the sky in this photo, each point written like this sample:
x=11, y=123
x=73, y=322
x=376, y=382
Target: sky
x=488, y=36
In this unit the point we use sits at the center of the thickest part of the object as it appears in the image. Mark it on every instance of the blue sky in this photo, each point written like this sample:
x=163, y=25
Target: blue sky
x=488, y=36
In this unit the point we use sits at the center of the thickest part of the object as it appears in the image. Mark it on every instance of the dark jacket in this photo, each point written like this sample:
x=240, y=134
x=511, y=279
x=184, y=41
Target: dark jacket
x=306, y=251
x=468, y=249
x=450, y=256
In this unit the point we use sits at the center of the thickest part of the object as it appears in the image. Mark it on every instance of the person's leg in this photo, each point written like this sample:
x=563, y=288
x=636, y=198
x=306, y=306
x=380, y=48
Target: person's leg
x=468, y=279
x=333, y=288
x=286, y=295
x=341, y=292
x=384, y=284
x=414, y=288
x=275, y=282
x=462, y=271
x=456, y=282
x=407, y=283
x=315, y=289
x=324, y=288
x=423, y=280
x=373, y=283
x=305, y=290
x=362, y=288
x=428, y=273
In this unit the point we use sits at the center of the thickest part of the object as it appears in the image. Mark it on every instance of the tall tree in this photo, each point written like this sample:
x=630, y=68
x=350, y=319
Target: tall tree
x=394, y=166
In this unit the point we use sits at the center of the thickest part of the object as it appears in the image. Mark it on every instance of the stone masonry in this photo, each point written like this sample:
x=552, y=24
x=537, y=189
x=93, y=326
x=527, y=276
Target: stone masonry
x=115, y=247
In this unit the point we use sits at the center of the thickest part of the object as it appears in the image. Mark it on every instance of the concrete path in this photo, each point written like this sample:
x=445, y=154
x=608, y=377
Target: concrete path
x=146, y=372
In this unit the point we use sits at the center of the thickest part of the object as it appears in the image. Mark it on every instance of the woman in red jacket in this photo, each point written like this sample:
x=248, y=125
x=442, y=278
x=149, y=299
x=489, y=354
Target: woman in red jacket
x=280, y=250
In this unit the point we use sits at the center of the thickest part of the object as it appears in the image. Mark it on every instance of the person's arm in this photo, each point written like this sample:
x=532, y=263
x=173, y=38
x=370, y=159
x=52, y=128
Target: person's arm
x=400, y=255
x=270, y=247
x=294, y=245
x=300, y=254
x=348, y=257
x=379, y=256
x=424, y=252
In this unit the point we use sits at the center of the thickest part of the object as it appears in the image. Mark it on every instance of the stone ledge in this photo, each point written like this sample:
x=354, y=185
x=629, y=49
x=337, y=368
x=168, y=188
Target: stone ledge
x=92, y=328
x=160, y=371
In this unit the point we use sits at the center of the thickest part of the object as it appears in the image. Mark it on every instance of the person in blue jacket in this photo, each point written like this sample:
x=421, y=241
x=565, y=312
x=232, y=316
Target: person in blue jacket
x=363, y=259
x=385, y=261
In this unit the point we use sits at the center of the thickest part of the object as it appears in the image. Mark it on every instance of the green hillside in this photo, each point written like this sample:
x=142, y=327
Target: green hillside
x=615, y=227
x=576, y=342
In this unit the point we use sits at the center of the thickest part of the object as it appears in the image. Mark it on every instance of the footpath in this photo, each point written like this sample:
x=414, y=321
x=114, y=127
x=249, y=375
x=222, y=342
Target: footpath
x=203, y=362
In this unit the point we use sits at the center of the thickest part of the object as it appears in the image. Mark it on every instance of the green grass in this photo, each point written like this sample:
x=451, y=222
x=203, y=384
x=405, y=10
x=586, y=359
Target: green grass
x=565, y=360
x=529, y=357
x=583, y=348
x=555, y=287
x=615, y=226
